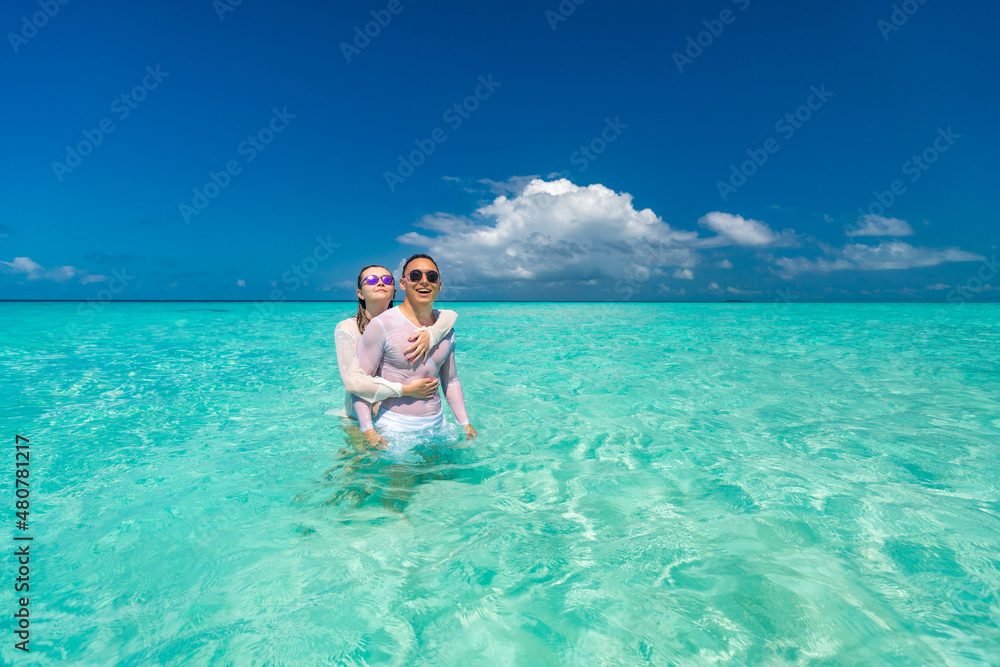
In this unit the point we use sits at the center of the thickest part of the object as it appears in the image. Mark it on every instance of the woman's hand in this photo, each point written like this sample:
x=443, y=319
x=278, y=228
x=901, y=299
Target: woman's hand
x=470, y=432
x=422, y=388
x=374, y=439
x=420, y=347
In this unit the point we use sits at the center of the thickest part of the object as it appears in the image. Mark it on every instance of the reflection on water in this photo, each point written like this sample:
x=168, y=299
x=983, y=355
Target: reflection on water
x=365, y=476
x=683, y=484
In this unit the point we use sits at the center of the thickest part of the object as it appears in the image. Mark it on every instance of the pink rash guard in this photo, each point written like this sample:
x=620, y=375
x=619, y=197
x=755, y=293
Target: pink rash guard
x=381, y=352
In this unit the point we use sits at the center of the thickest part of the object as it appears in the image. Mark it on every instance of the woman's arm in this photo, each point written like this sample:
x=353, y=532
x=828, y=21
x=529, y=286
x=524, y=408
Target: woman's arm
x=445, y=323
x=371, y=349
x=425, y=338
x=356, y=381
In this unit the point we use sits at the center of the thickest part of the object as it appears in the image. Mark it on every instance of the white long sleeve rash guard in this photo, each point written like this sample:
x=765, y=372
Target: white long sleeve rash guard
x=382, y=350
x=370, y=387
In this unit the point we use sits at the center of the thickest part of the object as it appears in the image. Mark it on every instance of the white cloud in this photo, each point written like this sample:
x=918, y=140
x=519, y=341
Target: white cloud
x=553, y=231
x=35, y=271
x=241, y=283
x=737, y=230
x=62, y=273
x=92, y=278
x=511, y=186
x=876, y=225
x=885, y=256
x=793, y=265
x=24, y=265
x=538, y=235
x=938, y=286
x=899, y=255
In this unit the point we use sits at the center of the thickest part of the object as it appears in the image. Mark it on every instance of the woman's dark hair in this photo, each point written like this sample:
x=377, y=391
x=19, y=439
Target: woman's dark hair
x=361, y=318
x=419, y=255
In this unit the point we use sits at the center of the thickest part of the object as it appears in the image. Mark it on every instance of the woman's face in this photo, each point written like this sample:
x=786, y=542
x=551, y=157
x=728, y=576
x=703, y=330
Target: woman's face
x=379, y=292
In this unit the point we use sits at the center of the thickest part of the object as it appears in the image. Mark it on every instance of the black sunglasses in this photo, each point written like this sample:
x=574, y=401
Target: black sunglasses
x=416, y=274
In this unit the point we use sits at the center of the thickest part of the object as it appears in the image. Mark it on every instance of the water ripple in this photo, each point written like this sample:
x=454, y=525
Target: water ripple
x=653, y=484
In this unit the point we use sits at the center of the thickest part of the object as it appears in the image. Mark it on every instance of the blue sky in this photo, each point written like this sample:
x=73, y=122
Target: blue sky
x=598, y=151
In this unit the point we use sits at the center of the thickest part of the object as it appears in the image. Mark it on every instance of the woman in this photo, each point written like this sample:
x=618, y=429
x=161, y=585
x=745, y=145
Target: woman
x=376, y=290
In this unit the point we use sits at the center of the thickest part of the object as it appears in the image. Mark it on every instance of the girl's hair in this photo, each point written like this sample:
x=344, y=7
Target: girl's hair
x=361, y=318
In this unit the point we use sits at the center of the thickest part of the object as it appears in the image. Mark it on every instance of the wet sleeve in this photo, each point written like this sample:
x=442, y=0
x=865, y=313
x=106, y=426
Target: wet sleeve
x=445, y=321
x=370, y=352
x=453, y=388
x=363, y=409
x=357, y=382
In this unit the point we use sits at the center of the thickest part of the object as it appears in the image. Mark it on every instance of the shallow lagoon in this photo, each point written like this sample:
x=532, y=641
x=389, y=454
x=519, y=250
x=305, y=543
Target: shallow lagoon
x=653, y=484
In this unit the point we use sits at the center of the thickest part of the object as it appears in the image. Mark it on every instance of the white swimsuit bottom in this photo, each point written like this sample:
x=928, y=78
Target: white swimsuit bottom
x=390, y=421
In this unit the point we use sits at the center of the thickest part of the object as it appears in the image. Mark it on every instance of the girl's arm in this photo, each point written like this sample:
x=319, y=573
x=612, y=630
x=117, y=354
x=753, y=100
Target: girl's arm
x=371, y=349
x=427, y=337
x=356, y=381
x=445, y=323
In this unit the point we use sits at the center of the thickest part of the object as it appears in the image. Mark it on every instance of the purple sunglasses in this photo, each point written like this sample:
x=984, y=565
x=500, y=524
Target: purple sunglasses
x=373, y=280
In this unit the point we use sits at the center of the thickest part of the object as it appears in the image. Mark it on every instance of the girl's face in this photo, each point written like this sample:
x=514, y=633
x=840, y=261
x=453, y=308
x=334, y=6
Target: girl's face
x=379, y=292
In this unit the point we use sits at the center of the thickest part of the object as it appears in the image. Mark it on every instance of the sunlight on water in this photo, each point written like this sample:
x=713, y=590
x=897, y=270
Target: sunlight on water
x=653, y=484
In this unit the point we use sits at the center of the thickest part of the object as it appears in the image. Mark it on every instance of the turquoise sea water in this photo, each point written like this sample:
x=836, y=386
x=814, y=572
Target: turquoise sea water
x=680, y=484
